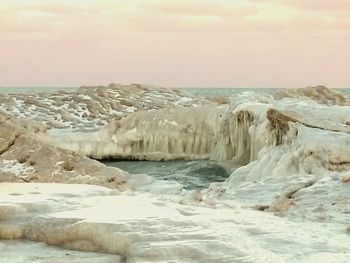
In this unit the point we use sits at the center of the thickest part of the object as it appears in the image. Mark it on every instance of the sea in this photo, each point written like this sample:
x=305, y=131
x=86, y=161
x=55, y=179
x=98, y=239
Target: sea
x=194, y=91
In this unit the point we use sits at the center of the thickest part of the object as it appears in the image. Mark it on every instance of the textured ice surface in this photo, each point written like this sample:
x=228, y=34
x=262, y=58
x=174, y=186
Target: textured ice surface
x=320, y=94
x=20, y=251
x=89, y=108
x=148, y=228
x=166, y=134
x=299, y=160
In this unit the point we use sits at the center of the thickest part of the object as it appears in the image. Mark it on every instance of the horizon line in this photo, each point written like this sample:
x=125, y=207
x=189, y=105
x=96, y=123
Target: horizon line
x=175, y=87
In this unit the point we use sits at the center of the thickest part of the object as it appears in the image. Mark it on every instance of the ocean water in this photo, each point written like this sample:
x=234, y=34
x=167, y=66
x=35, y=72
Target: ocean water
x=35, y=89
x=197, y=92
x=191, y=174
x=212, y=92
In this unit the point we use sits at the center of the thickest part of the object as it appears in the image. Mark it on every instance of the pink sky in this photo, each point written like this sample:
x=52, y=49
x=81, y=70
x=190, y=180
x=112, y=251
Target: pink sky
x=232, y=43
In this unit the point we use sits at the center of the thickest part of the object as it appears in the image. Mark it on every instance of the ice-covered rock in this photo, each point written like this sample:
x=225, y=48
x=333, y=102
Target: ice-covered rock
x=25, y=158
x=301, y=160
x=320, y=94
x=91, y=107
x=166, y=134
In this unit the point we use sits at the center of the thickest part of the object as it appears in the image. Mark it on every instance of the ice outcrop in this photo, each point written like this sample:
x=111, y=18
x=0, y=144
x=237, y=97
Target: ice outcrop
x=233, y=134
x=320, y=94
x=91, y=107
x=302, y=161
x=25, y=158
x=234, y=140
x=166, y=134
x=202, y=132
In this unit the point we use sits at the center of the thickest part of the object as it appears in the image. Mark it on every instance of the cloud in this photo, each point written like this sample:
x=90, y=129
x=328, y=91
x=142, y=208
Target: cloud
x=318, y=5
x=173, y=42
x=203, y=8
x=52, y=20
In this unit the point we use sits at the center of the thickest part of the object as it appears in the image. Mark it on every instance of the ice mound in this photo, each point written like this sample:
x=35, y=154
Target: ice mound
x=320, y=94
x=300, y=162
x=147, y=228
x=166, y=134
x=306, y=155
x=25, y=158
x=92, y=107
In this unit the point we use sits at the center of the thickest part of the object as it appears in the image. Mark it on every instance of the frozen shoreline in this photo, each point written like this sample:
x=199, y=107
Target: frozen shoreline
x=283, y=204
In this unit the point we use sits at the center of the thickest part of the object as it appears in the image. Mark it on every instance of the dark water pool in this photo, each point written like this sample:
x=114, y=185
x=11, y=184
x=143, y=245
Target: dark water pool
x=192, y=174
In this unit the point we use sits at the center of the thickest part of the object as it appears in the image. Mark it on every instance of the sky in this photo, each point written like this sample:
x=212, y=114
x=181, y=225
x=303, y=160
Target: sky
x=175, y=43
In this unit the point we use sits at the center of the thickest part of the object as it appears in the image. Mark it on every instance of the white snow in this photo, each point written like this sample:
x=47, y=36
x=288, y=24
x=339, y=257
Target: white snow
x=36, y=252
x=147, y=228
x=16, y=168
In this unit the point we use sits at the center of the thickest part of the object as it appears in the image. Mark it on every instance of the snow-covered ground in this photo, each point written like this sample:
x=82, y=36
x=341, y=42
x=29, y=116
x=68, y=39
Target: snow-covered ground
x=143, y=227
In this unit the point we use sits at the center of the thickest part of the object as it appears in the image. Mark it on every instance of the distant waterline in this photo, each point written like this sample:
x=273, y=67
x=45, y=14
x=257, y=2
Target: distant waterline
x=198, y=92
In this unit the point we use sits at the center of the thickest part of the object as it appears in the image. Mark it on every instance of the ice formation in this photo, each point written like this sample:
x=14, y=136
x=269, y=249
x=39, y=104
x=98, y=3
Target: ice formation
x=320, y=94
x=284, y=202
x=25, y=158
x=89, y=108
x=300, y=162
x=166, y=134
